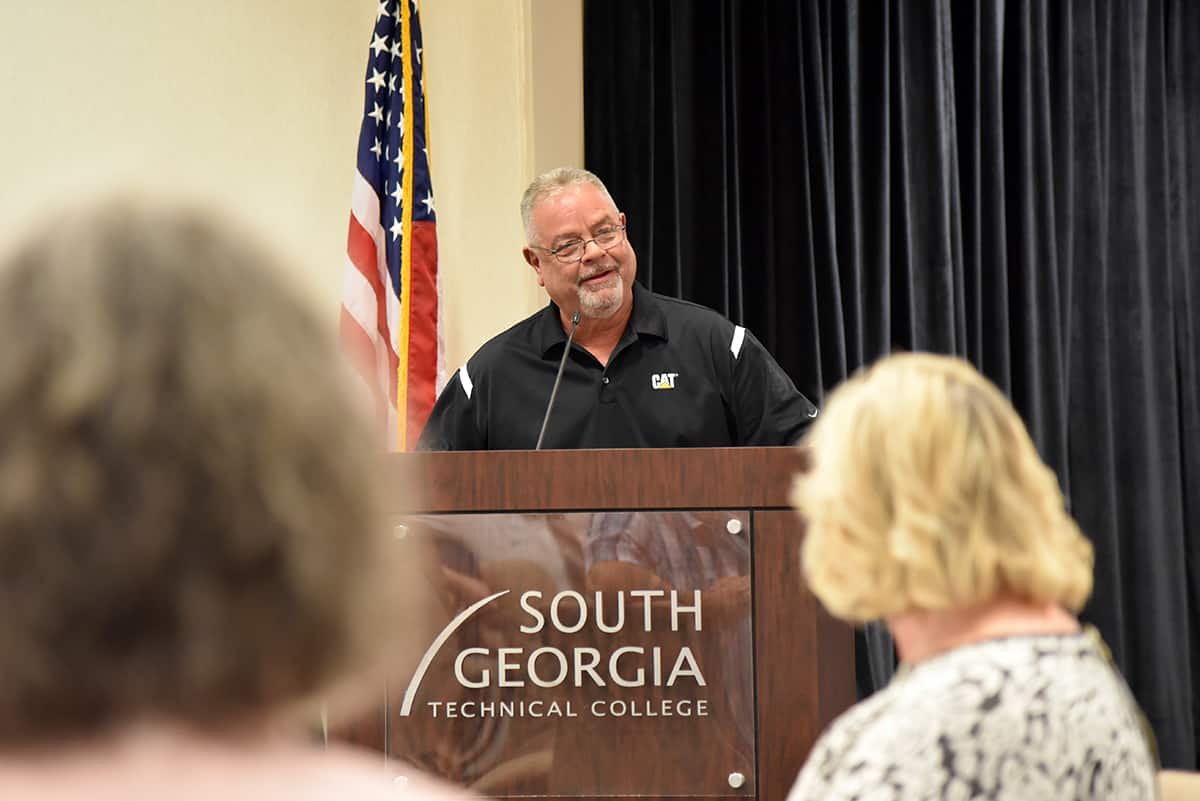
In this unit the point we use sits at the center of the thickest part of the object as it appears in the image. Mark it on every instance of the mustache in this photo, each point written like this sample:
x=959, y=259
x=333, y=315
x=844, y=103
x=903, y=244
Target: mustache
x=601, y=271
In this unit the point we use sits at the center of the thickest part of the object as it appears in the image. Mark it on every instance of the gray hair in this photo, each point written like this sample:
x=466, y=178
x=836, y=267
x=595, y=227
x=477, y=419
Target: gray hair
x=548, y=183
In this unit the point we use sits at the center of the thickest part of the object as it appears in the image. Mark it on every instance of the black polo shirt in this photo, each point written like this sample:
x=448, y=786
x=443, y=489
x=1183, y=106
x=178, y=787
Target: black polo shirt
x=681, y=376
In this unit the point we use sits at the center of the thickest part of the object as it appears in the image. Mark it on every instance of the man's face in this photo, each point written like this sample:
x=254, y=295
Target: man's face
x=599, y=284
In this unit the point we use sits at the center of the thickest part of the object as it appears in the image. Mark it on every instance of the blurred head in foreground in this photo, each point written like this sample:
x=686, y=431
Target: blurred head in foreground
x=926, y=494
x=188, y=510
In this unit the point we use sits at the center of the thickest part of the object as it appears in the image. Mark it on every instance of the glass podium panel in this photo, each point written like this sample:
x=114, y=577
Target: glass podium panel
x=584, y=654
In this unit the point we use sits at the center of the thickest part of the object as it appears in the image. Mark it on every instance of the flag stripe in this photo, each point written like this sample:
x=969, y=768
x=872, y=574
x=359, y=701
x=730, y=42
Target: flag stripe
x=439, y=373
x=422, y=336
x=366, y=211
x=362, y=250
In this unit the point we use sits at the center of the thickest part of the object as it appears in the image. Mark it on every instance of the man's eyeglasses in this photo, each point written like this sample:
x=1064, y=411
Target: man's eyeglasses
x=570, y=252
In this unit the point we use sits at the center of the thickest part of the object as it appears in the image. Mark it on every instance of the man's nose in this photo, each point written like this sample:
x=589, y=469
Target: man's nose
x=588, y=253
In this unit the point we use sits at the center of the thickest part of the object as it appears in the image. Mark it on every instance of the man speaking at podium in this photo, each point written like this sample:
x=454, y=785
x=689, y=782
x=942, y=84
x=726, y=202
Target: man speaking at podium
x=609, y=364
x=634, y=369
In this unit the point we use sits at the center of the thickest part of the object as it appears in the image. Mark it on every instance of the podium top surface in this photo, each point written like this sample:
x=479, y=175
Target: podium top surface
x=580, y=480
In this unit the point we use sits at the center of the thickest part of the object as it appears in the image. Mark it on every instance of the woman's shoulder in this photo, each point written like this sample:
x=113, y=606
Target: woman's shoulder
x=1049, y=704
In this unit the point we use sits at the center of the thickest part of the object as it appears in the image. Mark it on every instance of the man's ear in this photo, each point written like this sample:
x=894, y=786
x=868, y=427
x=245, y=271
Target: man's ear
x=532, y=259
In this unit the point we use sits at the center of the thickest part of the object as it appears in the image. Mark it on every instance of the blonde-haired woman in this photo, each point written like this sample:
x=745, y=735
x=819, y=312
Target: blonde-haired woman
x=928, y=507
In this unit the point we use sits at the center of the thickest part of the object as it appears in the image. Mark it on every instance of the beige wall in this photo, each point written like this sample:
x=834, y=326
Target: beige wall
x=254, y=104
x=257, y=106
x=505, y=84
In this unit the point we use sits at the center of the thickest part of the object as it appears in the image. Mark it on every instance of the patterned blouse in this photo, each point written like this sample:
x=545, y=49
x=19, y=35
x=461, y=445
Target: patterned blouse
x=1031, y=718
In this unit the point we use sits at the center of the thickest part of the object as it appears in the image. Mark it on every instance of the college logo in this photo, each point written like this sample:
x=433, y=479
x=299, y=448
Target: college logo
x=578, y=665
x=663, y=380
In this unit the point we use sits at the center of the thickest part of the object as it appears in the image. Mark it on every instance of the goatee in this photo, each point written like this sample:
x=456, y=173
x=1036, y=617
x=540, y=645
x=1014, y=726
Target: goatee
x=602, y=303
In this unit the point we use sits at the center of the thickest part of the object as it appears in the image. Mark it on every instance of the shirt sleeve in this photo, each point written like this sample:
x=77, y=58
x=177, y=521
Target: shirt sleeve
x=768, y=409
x=453, y=424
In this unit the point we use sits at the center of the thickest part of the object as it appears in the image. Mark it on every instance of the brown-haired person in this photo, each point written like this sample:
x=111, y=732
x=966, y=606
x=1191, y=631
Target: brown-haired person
x=189, y=528
x=928, y=507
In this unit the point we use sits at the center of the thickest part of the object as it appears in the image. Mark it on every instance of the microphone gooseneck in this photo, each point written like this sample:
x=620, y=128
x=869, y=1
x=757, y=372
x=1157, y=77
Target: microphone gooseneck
x=557, y=379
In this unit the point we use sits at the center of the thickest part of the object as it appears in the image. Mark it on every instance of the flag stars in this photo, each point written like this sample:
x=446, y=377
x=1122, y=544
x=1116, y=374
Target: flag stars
x=391, y=116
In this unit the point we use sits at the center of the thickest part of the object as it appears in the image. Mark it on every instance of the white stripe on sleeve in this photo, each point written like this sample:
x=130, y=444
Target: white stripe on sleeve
x=739, y=336
x=465, y=380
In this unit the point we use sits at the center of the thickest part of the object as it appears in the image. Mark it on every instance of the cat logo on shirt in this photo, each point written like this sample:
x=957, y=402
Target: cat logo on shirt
x=663, y=380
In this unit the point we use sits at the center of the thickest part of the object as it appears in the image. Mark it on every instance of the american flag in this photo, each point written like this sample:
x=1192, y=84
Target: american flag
x=391, y=299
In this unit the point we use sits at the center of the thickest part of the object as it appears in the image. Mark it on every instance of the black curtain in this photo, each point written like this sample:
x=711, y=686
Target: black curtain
x=1014, y=182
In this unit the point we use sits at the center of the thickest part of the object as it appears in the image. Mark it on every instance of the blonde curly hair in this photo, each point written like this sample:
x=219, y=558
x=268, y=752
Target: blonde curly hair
x=925, y=492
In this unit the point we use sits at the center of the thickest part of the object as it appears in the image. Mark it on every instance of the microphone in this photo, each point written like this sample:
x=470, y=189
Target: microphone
x=557, y=379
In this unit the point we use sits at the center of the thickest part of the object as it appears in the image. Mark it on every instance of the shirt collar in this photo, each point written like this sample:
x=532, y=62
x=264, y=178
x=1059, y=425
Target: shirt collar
x=647, y=319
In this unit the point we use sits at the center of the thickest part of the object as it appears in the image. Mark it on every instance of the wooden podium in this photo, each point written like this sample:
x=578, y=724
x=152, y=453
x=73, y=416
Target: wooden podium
x=799, y=664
